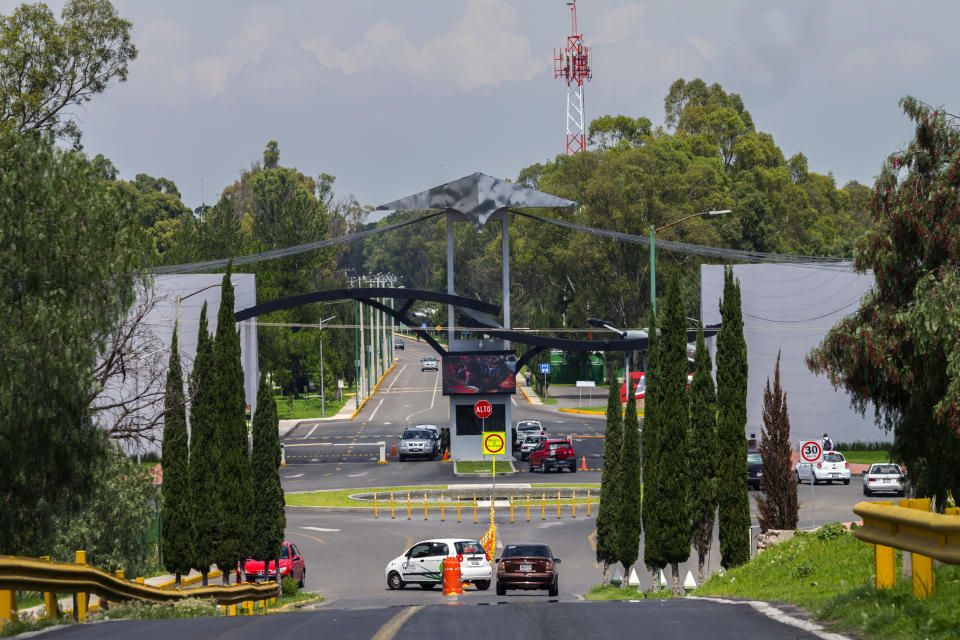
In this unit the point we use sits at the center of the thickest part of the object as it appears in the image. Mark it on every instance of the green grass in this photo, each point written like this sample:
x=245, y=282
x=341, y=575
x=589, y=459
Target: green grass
x=477, y=466
x=866, y=457
x=567, y=485
x=611, y=592
x=341, y=497
x=304, y=408
x=23, y=626
x=185, y=608
x=833, y=578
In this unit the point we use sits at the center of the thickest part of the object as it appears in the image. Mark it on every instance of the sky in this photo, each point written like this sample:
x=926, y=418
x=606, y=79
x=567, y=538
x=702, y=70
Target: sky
x=395, y=97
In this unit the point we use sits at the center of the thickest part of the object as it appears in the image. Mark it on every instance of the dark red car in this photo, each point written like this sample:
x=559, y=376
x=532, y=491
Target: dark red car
x=527, y=566
x=553, y=455
x=291, y=564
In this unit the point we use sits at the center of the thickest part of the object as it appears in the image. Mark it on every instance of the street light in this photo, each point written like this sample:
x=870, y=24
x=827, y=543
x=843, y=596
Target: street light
x=603, y=324
x=653, y=255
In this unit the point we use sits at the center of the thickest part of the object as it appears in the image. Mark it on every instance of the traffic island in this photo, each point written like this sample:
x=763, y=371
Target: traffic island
x=481, y=468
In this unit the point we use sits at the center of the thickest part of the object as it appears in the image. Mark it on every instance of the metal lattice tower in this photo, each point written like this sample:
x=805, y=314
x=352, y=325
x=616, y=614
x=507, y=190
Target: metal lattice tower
x=572, y=64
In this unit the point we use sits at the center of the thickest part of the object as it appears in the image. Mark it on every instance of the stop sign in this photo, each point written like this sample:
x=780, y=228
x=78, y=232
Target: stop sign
x=483, y=409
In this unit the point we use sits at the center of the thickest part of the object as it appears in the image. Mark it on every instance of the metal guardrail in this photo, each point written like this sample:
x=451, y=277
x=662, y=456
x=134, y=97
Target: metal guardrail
x=909, y=527
x=29, y=574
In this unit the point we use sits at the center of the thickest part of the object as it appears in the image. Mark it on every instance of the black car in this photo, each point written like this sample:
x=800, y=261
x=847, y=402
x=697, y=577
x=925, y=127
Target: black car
x=754, y=469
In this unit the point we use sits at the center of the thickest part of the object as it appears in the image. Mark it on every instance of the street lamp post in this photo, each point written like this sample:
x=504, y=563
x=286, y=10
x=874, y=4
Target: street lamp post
x=603, y=324
x=653, y=254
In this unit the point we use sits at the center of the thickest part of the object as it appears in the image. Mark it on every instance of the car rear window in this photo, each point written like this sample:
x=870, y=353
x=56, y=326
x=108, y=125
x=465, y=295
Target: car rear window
x=754, y=458
x=526, y=551
x=469, y=546
x=885, y=468
x=553, y=446
x=833, y=457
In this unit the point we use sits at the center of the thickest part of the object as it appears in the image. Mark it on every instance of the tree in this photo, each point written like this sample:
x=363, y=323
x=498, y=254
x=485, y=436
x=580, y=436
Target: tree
x=778, y=504
x=631, y=517
x=270, y=520
x=732, y=498
x=653, y=549
x=236, y=492
x=899, y=350
x=611, y=484
x=68, y=259
x=48, y=68
x=673, y=423
x=177, y=502
x=703, y=449
x=204, y=458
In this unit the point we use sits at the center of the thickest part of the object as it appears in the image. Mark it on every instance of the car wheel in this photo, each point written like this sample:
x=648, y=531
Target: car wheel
x=426, y=586
x=482, y=585
x=543, y=467
x=866, y=492
x=303, y=578
x=846, y=482
x=573, y=468
x=532, y=469
x=403, y=458
x=798, y=477
x=394, y=581
x=501, y=590
x=555, y=588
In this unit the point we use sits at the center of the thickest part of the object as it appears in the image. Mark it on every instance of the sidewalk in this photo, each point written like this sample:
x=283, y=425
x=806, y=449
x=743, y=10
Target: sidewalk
x=346, y=411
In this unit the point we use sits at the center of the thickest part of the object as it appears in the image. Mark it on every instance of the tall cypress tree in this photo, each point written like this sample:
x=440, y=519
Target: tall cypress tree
x=673, y=421
x=204, y=455
x=236, y=492
x=778, y=506
x=703, y=450
x=611, y=483
x=632, y=514
x=653, y=553
x=270, y=520
x=732, y=498
x=177, y=513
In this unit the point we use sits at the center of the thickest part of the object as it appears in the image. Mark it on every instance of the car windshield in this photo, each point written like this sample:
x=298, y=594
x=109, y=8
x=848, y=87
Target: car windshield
x=754, y=458
x=833, y=457
x=416, y=435
x=885, y=468
x=526, y=551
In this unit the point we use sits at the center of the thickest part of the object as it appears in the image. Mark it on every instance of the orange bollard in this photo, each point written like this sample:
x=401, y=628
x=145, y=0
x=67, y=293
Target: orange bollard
x=574, y=504
x=458, y=509
x=391, y=506
x=374, y=504
x=393, y=451
x=474, y=509
x=543, y=506
x=528, y=507
x=451, y=577
x=441, y=507
x=588, y=502
x=408, y=505
x=424, y=505
x=511, y=509
x=583, y=463
x=558, y=505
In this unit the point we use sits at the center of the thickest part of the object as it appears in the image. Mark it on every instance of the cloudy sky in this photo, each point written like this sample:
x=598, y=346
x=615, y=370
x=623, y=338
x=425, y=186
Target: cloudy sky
x=392, y=97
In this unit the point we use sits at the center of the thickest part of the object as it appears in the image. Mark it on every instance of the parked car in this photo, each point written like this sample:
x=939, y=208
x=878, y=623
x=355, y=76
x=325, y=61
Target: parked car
x=883, y=478
x=398, y=344
x=830, y=467
x=527, y=566
x=291, y=564
x=423, y=564
x=529, y=443
x=429, y=363
x=754, y=469
x=553, y=455
x=435, y=431
x=418, y=442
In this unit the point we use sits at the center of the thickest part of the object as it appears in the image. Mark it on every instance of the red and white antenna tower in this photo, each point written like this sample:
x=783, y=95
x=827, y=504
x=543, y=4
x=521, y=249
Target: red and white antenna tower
x=573, y=65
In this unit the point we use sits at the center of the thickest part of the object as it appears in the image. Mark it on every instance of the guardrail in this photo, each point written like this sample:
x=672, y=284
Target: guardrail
x=909, y=527
x=30, y=574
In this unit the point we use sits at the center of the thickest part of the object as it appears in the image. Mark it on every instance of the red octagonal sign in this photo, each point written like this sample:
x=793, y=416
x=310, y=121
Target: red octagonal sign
x=483, y=409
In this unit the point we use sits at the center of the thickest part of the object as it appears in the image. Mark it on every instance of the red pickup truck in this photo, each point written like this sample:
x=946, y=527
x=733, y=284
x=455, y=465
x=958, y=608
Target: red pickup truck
x=553, y=455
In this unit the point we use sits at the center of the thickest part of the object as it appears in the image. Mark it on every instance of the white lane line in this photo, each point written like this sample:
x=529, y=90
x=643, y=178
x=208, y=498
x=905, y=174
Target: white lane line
x=311, y=432
x=781, y=617
x=374, y=414
x=433, y=399
x=299, y=475
x=321, y=529
x=397, y=377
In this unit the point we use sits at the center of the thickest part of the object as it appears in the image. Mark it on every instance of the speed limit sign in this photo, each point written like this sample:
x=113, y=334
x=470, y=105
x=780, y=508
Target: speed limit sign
x=810, y=451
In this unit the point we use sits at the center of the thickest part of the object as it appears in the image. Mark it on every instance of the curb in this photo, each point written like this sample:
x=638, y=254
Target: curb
x=581, y=411
x=375, y=387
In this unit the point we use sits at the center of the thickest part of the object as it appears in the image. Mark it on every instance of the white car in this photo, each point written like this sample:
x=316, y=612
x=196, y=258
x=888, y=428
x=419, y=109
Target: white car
x=830, y=467
x=423, y=564
x=883, y=478
x=529, y=443
x=429, y=363
x=525, y=428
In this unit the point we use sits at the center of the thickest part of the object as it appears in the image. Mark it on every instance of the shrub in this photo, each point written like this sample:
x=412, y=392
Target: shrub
x=289, y=586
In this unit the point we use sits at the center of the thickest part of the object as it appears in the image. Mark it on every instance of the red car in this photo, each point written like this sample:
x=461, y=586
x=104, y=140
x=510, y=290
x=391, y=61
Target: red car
x=527, y=566
x=291, y=564
x=553, y=455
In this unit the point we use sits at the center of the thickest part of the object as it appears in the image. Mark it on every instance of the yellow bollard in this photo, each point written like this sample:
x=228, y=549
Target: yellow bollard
x=8, y=606
x=574, y=504
x=424, y=505
x=81, y=612
x=458, y=509
x=528, y=507
x=139, y=580
x=474, y=509
x=558, y=505
x=511, y=509
x=50, y=598
x=441, y=507
x=408, y=505
x=391, y=505
x=923, y=576
x=543, y=506
x=374, y=504
x=226, y=609
x=588, y=503
x=232, y=611
x=885, y=564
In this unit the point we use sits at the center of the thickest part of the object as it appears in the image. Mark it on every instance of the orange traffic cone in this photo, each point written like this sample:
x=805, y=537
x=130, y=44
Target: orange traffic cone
x=393, y=451
x=583, y=463
x=446, y=455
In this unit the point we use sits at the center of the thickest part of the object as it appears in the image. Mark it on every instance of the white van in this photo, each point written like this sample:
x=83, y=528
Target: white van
x=830, y=467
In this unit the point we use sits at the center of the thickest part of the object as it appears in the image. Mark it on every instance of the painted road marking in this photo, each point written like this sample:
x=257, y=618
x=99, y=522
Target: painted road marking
x=299, y=475
x=321, y=529
x=374, y=414
x=306, y=437
x=433, y=399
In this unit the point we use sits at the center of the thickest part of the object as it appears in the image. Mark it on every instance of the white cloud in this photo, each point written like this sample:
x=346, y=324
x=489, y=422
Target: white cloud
x=481, y=49
x=618, y=25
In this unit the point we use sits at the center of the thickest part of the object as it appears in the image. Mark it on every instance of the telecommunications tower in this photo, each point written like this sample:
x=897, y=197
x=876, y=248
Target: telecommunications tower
x=572, y=64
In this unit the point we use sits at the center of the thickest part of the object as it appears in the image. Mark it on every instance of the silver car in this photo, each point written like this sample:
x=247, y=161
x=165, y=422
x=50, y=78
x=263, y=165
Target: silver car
x=429, y=363
x=883, y=478
x=418, y=442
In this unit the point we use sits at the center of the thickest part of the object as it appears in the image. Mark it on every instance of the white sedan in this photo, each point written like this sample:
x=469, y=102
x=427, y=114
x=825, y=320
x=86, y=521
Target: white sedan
x=830, y=467
x=883, y=478
x=423, y=564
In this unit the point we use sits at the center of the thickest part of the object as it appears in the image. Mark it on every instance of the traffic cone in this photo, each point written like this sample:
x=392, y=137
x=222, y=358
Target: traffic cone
x=446, y=455
x=393, y=451
x=583, y=463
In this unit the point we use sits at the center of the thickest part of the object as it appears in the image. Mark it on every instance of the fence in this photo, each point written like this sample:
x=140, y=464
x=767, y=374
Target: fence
x=530, y=506
x=909, y=527
x=30, y=574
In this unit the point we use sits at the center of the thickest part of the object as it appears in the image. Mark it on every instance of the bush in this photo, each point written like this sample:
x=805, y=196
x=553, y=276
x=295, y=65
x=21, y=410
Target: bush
x=289, y=586
x=830, y=531
x=185, y=608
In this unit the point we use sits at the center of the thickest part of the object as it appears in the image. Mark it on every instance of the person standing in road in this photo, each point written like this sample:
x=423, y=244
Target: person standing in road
x=827, y=443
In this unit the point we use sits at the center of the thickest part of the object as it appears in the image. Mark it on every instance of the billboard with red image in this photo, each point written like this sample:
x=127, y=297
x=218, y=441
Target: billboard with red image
x=479, y=372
